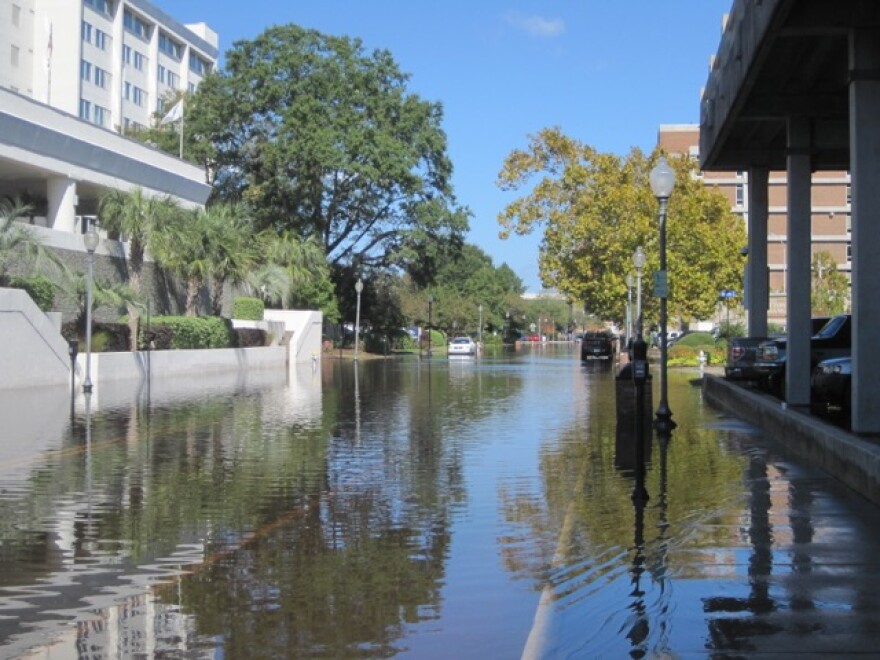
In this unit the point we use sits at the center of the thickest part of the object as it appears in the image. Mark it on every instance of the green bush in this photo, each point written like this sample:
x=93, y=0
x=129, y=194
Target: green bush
x=177, y=332
x=39, y=288
x=248, y=309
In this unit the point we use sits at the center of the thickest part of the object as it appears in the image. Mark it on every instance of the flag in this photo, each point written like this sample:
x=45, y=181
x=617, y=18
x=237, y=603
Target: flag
x=175, y=114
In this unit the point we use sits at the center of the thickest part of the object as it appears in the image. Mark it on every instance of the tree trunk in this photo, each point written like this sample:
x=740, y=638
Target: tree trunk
x=192, y=295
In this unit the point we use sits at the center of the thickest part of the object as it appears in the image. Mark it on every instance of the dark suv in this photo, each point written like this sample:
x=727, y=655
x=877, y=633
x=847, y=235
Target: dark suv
x=597, y=345
x=834, y=339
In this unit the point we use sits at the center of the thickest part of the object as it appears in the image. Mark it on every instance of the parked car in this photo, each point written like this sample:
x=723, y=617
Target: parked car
x=597, y=345
x=830, y=388
x=462, y=346
x=832, y=340
x=742, y=352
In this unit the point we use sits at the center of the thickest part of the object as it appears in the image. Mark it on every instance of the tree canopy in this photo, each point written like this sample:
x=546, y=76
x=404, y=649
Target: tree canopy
x=597, y=208
x=323, y=139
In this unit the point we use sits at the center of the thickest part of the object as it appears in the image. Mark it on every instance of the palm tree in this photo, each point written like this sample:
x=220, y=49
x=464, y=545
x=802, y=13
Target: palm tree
x=135, y=216
x=290, y=264
x=18, y=241
x=183, y=247
x=230, y=242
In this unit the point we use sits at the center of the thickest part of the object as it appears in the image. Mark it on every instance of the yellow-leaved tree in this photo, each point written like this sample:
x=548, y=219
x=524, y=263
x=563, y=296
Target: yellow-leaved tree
x=594, y=210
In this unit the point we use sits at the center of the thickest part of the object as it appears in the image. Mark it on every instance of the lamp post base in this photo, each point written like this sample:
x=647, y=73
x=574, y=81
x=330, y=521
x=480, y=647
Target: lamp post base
x=663, y=423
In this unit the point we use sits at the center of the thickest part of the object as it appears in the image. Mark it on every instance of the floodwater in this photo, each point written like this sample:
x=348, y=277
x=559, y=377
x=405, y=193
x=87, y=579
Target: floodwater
x=418, y=508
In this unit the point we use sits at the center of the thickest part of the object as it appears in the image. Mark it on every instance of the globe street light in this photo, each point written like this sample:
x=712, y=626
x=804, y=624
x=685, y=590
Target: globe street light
x=90, y=240
x=430, y=320
x=629, y=305
x=358, y=286
x=639, y=259
x=662, y=180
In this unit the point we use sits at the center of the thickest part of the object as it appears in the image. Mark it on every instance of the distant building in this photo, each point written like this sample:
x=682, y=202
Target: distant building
x=74, y=76
x=830, y=208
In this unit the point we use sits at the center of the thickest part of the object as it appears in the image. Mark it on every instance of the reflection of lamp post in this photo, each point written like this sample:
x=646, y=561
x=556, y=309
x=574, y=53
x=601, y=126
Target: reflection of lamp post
x=639, y=259
x=662, y=181
x=480, y=329
x=358, y=286
x=629, y=307
x=430, y=320
x=90, y=239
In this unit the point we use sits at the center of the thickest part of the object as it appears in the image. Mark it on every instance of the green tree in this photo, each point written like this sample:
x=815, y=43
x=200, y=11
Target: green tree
x=323, y=139
x=230, y=246
x=829, y=288
x=596, y=208
x=183, y=246
x=133, y=216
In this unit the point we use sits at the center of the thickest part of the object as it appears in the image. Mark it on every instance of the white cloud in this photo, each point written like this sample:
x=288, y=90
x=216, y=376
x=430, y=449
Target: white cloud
x=537, y=26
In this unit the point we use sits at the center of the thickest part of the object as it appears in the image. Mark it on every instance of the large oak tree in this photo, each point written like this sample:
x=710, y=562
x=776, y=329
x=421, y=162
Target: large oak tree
x=323, y=139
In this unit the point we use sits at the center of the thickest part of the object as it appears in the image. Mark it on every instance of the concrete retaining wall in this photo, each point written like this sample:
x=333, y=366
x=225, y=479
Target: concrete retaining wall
x=853, y=460
x=32, y=353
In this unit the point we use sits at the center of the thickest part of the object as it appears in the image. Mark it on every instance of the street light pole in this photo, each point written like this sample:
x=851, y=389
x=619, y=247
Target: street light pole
x=662, y=181
x=639, y=259
x=629, y=307
x=430, y=320
x=480, y=329
x=90, y=240
x=358, y=287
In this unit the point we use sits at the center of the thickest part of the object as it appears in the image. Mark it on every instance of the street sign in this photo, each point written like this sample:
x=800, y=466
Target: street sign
x=661, y=284
x=728, y=293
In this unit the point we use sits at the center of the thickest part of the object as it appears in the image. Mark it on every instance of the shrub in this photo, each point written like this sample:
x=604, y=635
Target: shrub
x=39, y=288
x=178, y=332
x=248, y=309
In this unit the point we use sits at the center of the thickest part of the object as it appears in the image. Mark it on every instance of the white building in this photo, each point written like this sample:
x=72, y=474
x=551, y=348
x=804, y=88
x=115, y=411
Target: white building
x=74, y=75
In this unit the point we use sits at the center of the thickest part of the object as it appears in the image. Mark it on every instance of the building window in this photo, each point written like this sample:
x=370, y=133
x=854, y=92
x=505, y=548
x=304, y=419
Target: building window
x=138, y=96
x=85, y=109
x=173, y=80
x=740, y=194
x=198, y=65
x=102, y=39
x=848, y=195
x=16, y=15
x=126, y=54
x=101, y=77
x=136, y=25
x=126, y=91
x=101, y=115
x=849, y=252
x=191, y=88
x=101, y=6
x=85, y=70
x=14, y=56
x=849, y=223
x=86, y=32
x=160, y=74
x=170, y=47
x=139, y=61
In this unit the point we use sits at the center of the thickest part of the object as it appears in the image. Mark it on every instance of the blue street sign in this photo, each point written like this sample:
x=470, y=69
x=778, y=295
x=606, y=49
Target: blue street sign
x=728, y=293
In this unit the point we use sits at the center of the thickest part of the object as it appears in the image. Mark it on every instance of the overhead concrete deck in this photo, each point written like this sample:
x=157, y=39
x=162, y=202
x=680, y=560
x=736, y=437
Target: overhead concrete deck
x=795, y=86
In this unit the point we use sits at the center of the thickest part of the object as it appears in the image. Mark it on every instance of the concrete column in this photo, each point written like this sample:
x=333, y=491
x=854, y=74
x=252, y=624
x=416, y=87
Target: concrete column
x=61, y=194
x=864, y=139
x=797, y=372
x=757, y=276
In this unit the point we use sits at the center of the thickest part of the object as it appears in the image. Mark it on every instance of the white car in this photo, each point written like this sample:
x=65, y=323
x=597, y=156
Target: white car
x=462, y=346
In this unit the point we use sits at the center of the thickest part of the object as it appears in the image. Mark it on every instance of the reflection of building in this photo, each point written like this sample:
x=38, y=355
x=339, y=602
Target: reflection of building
x=830, y=211
x=74, y=75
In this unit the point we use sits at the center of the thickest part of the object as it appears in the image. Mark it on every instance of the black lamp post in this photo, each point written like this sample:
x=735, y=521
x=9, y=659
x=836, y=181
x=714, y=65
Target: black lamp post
x=90, y=239
x=662, y=181
x=430, y=320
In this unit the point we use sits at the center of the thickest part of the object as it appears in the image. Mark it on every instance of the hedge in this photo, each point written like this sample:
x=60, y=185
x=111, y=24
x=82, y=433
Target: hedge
x=177, y=332
x=248, y=309
x=40, y=288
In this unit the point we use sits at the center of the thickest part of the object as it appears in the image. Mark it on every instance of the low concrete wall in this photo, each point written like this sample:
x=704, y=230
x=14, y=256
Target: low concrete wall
x=853, y=460
x=110, y=368
x=33, y=353
x=303, y=331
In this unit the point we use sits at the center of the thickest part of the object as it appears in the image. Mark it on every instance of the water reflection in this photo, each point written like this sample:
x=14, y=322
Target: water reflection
x=424, y=508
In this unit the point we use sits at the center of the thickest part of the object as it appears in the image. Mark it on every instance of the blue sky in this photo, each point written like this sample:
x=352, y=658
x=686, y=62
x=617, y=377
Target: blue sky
x=608, y=72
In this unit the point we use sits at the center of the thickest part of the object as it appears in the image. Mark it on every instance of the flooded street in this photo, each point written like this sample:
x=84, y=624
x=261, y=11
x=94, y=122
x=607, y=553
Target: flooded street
x=418, y=508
